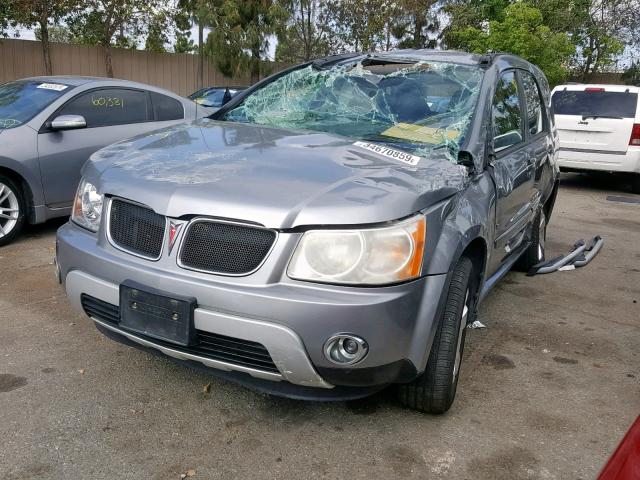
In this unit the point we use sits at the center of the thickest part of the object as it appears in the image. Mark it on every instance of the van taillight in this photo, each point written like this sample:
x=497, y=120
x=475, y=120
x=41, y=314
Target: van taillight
x=594, y=89
x=635, y=135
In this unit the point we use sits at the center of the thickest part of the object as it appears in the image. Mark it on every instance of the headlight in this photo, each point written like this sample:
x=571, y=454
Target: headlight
x=375, y=256
x=87, y=206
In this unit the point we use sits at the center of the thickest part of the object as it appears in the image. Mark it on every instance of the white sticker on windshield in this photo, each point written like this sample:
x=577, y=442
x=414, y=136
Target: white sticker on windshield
x=389, y=153
x=52, y=86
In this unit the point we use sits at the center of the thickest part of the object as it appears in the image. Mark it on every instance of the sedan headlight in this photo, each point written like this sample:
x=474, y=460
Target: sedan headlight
x=87, y=206
x=375, y=256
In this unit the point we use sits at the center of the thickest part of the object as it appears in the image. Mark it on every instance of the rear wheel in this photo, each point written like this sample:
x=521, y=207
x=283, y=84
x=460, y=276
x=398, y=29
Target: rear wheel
x=12, y=210
x=535, y=253
x=435, y=389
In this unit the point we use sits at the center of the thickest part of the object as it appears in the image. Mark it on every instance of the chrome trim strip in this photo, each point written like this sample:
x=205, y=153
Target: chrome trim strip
x=212, y=220
x=123, y=249
x=587, y=150
x=283, y=344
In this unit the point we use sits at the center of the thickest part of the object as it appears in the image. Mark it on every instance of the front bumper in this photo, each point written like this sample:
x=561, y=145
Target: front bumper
x=291, y=319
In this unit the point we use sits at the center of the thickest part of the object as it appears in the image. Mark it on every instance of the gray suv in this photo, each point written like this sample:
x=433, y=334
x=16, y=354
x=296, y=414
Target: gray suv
x=327, y=233
x=49, y=126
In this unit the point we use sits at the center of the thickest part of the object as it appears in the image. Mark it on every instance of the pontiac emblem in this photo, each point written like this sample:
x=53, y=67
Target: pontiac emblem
x=174, y=229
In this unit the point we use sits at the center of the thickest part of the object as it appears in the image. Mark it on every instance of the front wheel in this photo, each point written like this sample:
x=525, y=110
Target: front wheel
x=12, y=210
x=435, y=389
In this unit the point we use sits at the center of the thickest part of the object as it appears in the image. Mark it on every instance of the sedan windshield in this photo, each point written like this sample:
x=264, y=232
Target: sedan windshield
x=416, y=106
x=22, y=100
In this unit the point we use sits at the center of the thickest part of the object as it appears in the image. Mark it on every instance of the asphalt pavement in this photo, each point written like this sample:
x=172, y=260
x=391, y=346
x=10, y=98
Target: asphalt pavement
x=546, y=391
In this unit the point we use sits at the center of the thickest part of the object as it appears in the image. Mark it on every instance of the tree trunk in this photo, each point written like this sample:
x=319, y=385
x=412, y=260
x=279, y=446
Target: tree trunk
x=255, y=64
x=108, y=60
x=200, y=53
x=46, y=51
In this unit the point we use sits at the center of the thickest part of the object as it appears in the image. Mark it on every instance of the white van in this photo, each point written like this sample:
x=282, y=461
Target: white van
x=599, y=128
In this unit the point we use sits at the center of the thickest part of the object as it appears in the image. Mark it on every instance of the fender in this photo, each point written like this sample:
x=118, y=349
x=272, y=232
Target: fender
x=31, y=184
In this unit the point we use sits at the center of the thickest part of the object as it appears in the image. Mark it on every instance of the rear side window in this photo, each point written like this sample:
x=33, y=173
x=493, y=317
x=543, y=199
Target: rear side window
x=110, y=106
x=166, y=108
x=507, y=117
x=595, y=103
x=534, y=104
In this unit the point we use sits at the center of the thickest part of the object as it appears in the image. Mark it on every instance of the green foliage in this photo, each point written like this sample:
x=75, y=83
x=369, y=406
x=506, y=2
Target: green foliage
x=58, y=34
x=631, y=76
x=413, y=23
x=183, y=42
x=358, y=25
x=307, y=33
x=157, y=36
x=239, y=39
x=522, y=33
x=7, y=18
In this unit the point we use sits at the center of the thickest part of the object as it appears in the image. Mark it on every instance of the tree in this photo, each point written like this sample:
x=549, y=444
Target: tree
x=240, y=36
x=40, y=13
x=632, y=74
x=109, y=22
x=413, y=23
x=522, y=33
x=183, y=42
x=57, y=34
x=198, y=11
x=359, y=25
x=307, y=33
x=157, y=36
x=7, y=18
x=608, y=26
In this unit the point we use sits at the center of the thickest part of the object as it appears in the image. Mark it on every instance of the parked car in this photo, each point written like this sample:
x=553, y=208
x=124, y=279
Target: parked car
x=49, y=126
x=215, y=97
x=599, y=128
x=326, y=234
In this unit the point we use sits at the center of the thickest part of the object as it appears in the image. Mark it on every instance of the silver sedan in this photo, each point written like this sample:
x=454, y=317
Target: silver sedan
x=49, y=126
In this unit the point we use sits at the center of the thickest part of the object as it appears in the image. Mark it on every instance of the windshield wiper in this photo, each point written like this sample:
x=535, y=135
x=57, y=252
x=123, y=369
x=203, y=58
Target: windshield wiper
x=585, y=116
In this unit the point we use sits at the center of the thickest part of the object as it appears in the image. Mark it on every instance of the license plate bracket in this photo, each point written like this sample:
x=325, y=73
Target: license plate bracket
x=156, y=314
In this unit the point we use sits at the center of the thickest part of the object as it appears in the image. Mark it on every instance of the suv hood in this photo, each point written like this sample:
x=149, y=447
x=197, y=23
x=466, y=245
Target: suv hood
x=272, y=177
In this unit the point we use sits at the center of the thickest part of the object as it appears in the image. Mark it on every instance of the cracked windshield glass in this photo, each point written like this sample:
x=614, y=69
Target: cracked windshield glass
x=415, y=106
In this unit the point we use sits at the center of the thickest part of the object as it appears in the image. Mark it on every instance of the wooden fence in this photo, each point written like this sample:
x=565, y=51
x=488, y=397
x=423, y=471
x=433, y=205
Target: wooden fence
x=177, y=72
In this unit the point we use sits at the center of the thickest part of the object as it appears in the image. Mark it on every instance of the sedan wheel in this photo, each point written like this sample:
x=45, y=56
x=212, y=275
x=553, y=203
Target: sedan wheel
x=11, y=210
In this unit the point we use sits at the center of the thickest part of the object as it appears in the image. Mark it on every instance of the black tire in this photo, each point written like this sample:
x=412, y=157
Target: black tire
x=434, y=390
x=535, y=253
x=635, y=183
x=9, y=231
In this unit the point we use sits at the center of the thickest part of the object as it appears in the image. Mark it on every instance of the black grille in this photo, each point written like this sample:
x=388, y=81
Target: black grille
x=209, y=345
x=137, y=229
x=225, y=248
x=96, y=308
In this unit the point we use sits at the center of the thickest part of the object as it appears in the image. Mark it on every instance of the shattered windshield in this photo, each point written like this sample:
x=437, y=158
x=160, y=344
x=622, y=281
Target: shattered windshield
x=416, y=106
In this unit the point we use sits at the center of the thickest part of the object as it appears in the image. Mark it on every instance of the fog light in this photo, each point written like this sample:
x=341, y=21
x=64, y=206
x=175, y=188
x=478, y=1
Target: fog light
x=345, y=349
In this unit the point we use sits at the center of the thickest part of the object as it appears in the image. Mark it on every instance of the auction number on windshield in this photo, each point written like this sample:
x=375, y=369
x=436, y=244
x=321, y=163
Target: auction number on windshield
x=107, y=102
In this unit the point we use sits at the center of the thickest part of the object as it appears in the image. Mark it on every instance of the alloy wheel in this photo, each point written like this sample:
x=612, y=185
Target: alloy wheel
x=9, y=210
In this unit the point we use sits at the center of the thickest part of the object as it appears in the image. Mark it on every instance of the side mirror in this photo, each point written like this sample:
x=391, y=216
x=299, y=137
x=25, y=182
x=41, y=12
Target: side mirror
x=68, y=122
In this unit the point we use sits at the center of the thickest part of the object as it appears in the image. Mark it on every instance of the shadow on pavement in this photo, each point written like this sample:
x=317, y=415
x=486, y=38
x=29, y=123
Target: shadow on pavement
x=612, y=182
